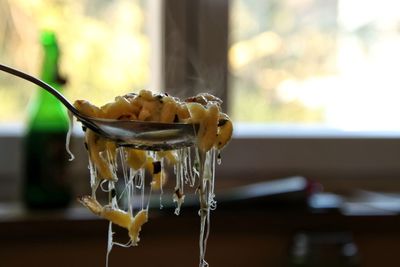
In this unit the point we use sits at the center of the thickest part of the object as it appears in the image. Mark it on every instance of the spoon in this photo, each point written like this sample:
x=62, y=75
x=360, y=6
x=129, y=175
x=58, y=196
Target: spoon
x=137, y=134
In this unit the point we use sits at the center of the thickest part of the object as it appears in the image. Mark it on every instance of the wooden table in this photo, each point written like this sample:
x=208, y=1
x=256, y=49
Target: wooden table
x=239, y=237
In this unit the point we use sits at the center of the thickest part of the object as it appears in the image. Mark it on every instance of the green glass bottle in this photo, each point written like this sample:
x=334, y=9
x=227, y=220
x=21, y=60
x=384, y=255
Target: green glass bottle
x=45, y=184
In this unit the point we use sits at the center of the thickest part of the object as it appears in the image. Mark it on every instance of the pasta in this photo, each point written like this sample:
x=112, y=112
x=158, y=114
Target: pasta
x=128, y=206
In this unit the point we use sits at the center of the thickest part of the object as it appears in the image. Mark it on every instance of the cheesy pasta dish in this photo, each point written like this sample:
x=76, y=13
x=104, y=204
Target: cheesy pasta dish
x=128, y=205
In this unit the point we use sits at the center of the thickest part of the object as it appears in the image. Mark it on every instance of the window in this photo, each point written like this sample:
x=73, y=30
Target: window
x=199, y=41
x=105, y=48
x=315, y=81
x=105, y=51
x=286, y=64
x=328, y=63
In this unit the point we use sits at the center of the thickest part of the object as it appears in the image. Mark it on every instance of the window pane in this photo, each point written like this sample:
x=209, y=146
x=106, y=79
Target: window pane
x=105, y=48
x=327, y=62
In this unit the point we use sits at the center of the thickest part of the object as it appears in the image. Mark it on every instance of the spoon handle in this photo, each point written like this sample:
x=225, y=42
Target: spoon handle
x=41, y=84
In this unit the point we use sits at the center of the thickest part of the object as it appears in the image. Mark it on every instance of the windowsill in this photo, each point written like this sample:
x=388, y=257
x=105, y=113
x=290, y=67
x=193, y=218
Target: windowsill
x=17, y=129
x=256, y=131
x=11, y=129
x=261, y=130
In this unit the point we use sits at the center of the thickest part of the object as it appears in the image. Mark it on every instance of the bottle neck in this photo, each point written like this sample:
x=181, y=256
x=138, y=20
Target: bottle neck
x=51, y=52
x=46, y=112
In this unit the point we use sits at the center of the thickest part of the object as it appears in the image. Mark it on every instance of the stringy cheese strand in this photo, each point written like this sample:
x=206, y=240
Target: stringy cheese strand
x=192, y=165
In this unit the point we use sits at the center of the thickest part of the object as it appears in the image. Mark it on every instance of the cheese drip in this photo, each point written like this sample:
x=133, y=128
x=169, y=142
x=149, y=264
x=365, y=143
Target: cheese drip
x=128, y=202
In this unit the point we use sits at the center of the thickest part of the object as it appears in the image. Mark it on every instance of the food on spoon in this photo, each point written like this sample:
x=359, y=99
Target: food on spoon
x=214, y=132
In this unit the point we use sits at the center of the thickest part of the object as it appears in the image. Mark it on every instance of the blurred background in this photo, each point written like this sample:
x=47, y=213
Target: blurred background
x=312, y=88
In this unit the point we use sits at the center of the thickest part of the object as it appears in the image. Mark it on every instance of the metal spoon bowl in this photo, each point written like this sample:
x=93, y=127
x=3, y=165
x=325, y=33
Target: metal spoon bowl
x=138, y=134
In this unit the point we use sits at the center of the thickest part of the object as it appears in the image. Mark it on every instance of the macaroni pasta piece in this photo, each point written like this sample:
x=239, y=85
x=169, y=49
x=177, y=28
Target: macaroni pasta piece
x=215, y=131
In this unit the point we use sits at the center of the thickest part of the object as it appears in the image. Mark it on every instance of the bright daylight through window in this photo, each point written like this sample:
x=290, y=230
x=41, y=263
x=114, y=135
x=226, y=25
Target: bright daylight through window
x=310, y=62
x=328, y=63
x=105, y=49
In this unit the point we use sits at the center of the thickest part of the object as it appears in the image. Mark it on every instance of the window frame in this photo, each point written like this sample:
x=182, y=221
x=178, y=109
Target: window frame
x=195, y=49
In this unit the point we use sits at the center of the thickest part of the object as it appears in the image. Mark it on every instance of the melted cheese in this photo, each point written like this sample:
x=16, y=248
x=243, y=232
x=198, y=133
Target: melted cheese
x=215, y=131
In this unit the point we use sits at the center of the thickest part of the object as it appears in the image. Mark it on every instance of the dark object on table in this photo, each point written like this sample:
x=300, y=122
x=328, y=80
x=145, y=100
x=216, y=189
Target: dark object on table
x=323, y=249
x=286, y=193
